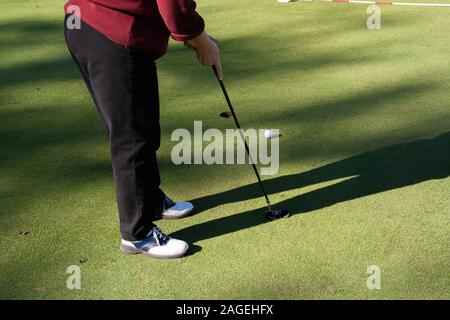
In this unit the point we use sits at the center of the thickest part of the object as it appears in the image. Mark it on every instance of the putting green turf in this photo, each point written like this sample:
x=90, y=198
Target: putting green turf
x=365, y=159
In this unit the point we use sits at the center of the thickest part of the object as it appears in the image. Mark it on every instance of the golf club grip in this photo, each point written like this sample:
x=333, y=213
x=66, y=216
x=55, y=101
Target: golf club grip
x=215, y=71
x=227, y=98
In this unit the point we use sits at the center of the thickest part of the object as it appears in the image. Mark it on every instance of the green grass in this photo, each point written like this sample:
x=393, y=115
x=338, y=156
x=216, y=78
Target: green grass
x=365, y=159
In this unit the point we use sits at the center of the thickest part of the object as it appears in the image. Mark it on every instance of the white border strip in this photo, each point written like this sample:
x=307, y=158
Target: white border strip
x=391, y=3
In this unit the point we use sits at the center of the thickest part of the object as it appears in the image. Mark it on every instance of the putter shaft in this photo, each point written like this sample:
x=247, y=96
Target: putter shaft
x=230, y=105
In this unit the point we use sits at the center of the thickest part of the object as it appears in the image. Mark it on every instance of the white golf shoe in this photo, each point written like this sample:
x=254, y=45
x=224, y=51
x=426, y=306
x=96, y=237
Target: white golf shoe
x=156, y=245
x=176, y=210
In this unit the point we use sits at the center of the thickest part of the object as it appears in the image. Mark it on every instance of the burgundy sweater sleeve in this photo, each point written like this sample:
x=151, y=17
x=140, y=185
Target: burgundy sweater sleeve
x=180, y=17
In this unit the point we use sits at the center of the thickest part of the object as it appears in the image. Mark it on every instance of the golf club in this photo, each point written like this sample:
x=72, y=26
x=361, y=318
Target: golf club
x=270, y=214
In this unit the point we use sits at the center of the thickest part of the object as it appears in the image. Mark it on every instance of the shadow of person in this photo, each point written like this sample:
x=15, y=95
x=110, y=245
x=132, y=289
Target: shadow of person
x=368, y=173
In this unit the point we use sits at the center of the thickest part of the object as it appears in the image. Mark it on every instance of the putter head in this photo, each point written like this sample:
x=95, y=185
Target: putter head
x=277, y=214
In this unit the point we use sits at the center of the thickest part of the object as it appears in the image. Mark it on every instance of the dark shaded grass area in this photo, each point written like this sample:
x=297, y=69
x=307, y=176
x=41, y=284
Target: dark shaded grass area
x=28, y=35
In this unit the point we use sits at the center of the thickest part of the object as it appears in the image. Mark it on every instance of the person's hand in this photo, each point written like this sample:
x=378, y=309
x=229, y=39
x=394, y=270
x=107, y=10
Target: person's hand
x=208, y=53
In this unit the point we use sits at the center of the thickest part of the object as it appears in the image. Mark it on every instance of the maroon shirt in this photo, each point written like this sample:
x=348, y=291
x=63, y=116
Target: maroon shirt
x=143, y=25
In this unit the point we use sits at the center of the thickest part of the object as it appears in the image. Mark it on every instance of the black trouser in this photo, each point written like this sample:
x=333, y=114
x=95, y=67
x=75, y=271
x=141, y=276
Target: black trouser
x=124, y=86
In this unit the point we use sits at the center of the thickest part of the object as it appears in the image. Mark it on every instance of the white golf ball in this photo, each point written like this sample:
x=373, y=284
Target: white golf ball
x=268, y=134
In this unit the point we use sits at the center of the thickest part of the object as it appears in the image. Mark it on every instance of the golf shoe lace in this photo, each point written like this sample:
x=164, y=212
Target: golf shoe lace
x=160, y=237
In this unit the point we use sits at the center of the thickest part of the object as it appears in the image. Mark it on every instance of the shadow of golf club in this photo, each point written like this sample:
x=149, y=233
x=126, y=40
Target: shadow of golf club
x=369, y=173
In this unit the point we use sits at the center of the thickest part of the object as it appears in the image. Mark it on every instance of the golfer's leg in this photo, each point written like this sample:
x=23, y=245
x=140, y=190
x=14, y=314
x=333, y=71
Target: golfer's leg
x=131, y=103
x=125, y=88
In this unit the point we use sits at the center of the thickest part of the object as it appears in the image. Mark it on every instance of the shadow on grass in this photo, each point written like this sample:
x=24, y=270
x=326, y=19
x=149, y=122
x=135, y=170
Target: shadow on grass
x=369, y=173
x=33, y=36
